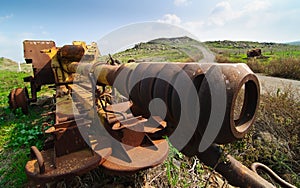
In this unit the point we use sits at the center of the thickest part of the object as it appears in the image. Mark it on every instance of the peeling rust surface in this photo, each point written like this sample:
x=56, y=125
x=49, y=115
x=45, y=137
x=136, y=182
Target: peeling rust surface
x=75, y=163
x=140, y=158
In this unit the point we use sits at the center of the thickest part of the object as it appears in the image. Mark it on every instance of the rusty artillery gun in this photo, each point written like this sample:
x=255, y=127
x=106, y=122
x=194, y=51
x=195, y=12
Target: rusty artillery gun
x=111, y=115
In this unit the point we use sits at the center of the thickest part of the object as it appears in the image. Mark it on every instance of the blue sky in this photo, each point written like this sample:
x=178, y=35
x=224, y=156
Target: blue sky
x=90, y=20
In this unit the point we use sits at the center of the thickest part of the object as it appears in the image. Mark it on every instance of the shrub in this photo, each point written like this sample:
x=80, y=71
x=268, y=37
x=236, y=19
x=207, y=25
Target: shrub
x=222, y=59
x=256, y=66
x=285, y=68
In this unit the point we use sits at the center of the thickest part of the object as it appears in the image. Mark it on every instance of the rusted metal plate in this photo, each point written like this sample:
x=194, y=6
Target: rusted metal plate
x=133, y=149
x=140, y=124
x=64, y=109
x=139, y=158
x=69, y=165
x=69, y=140
x=41, y=63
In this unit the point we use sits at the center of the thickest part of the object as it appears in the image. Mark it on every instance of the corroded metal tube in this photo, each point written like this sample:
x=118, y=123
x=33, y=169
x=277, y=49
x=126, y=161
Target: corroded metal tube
x=235, y=172
x=143, y=82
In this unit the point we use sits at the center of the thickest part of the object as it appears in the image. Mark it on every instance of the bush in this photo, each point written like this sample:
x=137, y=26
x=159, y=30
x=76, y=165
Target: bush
x=280, y=67
x=285, y=68
x=256, y=66
x=222, y=59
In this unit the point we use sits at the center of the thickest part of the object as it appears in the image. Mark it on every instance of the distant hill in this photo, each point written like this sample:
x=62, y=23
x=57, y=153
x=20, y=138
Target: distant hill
x=180, y=49
x=185, y=49
x=4, y=62
x=295, y=43
x=10, y=65
x=174, y=41
x=243, y=44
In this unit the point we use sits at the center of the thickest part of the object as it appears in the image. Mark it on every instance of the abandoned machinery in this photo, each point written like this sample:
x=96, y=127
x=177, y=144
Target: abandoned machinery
x=118, y=115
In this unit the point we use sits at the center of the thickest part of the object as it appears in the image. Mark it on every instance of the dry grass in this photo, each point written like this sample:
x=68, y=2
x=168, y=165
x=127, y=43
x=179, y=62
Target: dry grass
x=257, y=66
x=279, y=67
x=222, y=59
x=275, y=138
x=285, y=68
x=176, y=171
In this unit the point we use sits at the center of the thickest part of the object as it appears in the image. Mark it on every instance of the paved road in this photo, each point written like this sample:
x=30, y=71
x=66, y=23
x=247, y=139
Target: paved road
x=208, y=56
x=272, y=84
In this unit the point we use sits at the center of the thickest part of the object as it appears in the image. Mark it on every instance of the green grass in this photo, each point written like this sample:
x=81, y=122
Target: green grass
x=279, y=60
x=17, y=132
x=163, y=50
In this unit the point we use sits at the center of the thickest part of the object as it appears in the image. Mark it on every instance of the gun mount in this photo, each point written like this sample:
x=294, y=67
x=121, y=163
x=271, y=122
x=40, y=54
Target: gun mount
x=105, y=114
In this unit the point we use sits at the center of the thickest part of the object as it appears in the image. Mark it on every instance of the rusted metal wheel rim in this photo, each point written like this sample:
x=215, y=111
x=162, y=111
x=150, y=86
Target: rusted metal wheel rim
x=20, y=99
x=241, y=126
x=11, y=100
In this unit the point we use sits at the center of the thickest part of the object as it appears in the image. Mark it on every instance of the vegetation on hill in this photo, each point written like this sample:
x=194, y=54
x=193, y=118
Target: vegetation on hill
x=182, y=49
x=279, y=60
x=10, y=65
x=4, y=62
x=294, y=43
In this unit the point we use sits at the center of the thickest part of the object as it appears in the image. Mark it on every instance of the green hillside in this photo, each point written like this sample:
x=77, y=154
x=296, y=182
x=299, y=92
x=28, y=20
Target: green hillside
x=182, y=49
x=7, y=63
x=295, y=43
x=236, y=51
x=10, y=65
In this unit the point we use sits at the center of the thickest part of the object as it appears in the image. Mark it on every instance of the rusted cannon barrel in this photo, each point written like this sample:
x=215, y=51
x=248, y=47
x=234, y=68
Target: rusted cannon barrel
x=143, y=82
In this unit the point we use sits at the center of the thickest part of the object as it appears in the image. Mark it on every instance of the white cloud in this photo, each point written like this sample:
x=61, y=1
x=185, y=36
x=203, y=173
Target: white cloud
x=170, y=19
x=224, y=12
x=193, y=26
x=6, y=17
x=129, y=35
x=257, y=5
x=181, y=2
x=234, y=20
